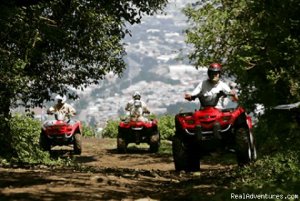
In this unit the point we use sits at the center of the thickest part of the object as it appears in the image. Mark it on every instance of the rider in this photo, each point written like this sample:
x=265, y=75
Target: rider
x=62, y=106
x=209, y=91
x=136, y=107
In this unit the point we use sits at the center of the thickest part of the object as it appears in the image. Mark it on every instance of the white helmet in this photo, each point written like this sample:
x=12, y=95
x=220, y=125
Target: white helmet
x=51, y=109
x=62, y=98
x=136, y=95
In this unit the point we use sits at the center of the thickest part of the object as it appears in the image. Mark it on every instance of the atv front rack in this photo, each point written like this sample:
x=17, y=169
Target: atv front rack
x=209, y=132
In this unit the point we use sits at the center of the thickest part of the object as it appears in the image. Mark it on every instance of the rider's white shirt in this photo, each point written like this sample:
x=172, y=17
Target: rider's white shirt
x=209, y=90
x=130, y=105
x=136, y=111
x=64, y=108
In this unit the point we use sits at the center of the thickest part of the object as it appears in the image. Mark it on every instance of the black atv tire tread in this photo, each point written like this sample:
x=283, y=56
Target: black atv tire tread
x=121, y=145
x=193, y=160
x=154, y=142
x=44, y=143
x=180, y=155
x=77, y=144
x=242, y=146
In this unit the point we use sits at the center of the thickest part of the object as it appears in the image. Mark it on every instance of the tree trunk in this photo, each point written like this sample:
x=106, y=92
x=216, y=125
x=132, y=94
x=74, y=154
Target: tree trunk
x=5, y=116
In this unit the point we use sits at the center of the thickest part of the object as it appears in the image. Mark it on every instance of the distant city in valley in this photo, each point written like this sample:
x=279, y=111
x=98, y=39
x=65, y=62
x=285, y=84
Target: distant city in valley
x=157, y=67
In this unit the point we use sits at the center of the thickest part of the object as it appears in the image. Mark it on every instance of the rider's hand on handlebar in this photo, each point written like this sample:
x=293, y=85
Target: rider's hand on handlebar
x=234, y=95
x=222, y=94
x=188, y=97
x=72, y=114
x=146, y=112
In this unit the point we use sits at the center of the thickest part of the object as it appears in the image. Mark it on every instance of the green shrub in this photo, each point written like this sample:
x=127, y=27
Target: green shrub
x=25, y=132
x=166, y=125
x=276, y=131
x=87, y=131
x=111, y=129
x=271, y=175
x=277, y=174
x=165, y=147
x=277, y=169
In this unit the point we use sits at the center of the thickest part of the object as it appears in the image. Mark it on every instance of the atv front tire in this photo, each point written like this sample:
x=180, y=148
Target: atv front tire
x=179, y=154
x=185, y=157
x=121, y=145
x=44, y=143
x=243, y=146
x=154, y=142
x=77, y=143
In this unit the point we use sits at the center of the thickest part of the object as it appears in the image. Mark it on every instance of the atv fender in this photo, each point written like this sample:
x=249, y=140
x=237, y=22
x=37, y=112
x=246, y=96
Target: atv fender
x=242, y=121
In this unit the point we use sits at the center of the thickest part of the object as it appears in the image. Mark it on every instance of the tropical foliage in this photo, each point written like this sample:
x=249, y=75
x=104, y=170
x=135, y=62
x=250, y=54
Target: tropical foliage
x=111, y=129
x=25, y=133
x=166, y=126
x=257, y=41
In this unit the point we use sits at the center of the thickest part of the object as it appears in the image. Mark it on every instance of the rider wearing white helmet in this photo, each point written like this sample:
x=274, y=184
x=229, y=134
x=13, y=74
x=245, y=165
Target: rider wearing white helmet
x=62, y=106
x=136, y=107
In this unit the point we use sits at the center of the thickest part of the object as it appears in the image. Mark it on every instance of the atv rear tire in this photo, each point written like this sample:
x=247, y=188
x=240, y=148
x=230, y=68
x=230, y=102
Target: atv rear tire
x=243, y=146
x=121, y=145
x=154, y=142
x=44, y=143
x=77, y=143
x=184, y=157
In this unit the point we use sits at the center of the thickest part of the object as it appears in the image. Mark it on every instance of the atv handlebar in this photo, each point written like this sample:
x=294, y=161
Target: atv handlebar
x=225, y=94
x=189, y=97
x=222, y=93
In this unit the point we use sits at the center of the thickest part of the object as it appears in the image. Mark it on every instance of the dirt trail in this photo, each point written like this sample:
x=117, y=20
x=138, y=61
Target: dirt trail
x=137, y=175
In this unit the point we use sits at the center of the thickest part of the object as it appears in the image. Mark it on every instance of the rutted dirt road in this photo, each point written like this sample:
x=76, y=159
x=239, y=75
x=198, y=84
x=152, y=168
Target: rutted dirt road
x=107, y=175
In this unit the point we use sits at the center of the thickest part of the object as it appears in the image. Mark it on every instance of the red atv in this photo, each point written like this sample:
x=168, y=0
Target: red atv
x=136, y=131
x=209, y=129
x=61, y=131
